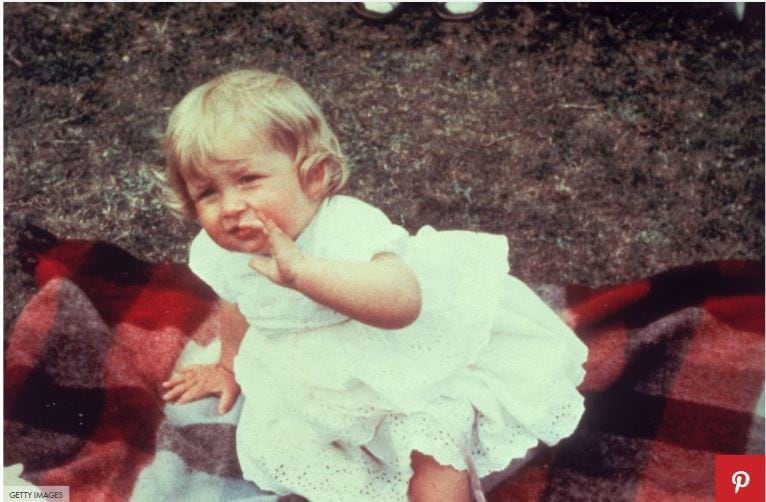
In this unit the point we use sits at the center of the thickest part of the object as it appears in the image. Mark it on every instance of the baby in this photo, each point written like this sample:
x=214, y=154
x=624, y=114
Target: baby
x=374, y=365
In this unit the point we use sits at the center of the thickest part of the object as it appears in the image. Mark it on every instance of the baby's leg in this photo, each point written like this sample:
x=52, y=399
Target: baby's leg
x=438, y=483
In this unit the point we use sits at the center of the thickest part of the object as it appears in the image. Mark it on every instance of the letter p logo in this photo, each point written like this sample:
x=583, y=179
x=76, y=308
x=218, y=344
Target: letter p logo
x=739, y=478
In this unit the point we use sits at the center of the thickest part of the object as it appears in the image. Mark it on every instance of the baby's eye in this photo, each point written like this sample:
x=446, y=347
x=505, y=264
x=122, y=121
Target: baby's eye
x=204, y=194
x=247, y=179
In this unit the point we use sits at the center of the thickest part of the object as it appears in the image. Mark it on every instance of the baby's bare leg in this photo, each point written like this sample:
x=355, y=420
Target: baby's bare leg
x=198, y=381
x=434, y=482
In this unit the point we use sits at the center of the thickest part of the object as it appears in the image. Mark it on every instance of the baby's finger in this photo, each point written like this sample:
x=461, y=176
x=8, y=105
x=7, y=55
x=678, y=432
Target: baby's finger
x=179, y=376
x=270, y=224
x=172, y=395
x=264, y=265
x=170, y=385
x=277, y=238
x=176, y=391
x=275, y=234
x=251, y=220
x=190, y=369
x=226, y=402
x=190, y=395
x=265, y=220
x=174, y=380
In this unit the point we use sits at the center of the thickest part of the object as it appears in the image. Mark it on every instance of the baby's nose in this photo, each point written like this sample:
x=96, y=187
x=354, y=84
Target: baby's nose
x=232, y=203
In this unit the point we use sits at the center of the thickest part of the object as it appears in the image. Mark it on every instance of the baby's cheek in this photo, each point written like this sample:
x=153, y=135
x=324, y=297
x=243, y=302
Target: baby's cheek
x=287, y=226
x=275, y=214
x=208, y=221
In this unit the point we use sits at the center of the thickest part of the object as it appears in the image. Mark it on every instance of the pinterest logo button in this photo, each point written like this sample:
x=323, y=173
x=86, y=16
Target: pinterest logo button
x=739, y=478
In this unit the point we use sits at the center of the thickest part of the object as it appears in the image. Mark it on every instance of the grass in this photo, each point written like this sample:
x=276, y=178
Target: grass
x=606, y=142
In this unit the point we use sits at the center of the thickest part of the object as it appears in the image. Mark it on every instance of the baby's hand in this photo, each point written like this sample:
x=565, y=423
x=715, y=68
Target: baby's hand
x=202, y=380
x=283, y=266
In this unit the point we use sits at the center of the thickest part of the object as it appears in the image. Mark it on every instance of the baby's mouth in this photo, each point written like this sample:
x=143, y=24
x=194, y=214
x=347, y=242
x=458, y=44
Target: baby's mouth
x=245, y=232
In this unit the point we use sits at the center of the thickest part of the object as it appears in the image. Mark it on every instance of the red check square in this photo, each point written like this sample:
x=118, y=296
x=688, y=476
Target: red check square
x=740, y=478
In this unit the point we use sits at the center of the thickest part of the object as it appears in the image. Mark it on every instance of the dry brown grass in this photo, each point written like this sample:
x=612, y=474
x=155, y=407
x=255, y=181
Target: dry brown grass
x=607, y=143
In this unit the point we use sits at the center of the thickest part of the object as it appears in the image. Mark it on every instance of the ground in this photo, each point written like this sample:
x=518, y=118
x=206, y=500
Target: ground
x=606, y=142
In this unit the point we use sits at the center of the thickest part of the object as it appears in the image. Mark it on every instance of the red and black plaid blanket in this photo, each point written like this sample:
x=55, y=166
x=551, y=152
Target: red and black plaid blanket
x=675, y=376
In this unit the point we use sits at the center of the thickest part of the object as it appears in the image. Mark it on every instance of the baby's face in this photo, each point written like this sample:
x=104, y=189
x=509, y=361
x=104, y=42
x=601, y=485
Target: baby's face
x=257, y=179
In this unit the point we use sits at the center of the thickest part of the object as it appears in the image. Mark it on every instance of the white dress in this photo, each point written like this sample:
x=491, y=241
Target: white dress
x=333, y=408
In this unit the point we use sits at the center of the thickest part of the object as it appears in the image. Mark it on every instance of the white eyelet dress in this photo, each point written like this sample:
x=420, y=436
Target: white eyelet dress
x=333, y=408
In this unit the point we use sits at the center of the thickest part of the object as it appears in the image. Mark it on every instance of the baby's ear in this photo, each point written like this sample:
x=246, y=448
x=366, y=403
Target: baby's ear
x=316, y=180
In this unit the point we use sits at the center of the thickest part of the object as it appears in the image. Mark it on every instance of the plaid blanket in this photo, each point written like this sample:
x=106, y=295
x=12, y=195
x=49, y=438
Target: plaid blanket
x=675, y=376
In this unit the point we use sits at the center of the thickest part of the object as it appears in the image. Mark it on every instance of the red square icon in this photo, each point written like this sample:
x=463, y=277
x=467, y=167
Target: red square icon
x=739, y=478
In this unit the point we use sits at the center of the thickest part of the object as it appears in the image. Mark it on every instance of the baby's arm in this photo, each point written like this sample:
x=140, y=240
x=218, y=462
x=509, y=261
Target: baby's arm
x=233, y=329
x=383, y=292
x=201, y=380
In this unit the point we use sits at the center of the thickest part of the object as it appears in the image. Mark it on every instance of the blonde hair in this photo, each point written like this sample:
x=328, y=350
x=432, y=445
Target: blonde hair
x=253, y=102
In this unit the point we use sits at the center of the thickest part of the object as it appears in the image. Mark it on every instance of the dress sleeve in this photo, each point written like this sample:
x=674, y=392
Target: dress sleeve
x=208, y=262
x=359, y=231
